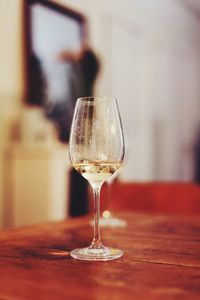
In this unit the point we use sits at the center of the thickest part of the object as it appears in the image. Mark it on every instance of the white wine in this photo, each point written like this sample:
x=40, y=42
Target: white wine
x=96, y=171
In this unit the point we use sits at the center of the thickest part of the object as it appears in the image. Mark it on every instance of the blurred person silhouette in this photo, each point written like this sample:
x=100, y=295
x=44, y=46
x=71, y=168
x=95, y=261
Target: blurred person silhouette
x=85, y=65
x=37, y=82
x=83, y=69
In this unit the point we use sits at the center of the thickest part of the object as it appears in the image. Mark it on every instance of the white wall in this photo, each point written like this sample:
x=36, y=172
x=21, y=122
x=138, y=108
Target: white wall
x=156, y=77
x=11, y=51
x=150, y=50
x=11, y=75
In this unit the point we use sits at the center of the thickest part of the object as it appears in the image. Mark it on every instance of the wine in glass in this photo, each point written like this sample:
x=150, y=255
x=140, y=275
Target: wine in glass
x=96, y=150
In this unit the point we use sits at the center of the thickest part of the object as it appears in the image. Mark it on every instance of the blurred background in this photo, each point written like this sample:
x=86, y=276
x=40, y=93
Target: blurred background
x=144, y=53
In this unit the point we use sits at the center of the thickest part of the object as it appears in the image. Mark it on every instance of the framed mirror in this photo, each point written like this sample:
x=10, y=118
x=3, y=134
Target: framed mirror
x=51, y=29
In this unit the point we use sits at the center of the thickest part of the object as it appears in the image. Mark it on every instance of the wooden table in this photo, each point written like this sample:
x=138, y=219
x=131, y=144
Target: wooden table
x=161, y=261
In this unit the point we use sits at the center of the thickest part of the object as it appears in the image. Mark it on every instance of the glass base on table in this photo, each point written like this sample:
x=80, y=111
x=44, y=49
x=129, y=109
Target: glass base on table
x=96, y=254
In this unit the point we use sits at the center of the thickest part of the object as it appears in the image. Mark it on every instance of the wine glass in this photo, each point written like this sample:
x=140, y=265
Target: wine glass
x=96, y=150
x=108, y=218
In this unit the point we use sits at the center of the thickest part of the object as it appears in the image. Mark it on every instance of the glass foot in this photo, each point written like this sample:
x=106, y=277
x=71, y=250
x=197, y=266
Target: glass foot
x=96, y=254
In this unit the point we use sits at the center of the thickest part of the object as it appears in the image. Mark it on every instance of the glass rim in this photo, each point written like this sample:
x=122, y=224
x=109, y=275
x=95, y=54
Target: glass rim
x=98, y=98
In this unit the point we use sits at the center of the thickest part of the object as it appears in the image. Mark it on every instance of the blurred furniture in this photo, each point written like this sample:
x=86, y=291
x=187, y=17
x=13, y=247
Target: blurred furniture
x=153, y=197
x=161, y=261
x=36, y=183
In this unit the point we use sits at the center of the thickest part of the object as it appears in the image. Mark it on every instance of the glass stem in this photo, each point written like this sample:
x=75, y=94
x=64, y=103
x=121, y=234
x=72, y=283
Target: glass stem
x=96, y=242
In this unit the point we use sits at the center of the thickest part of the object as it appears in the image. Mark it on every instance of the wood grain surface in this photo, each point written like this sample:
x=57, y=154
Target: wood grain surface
x=161, y=261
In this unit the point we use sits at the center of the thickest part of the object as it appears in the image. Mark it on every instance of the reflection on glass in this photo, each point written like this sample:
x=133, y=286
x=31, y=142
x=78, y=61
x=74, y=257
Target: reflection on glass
x=108, y=218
